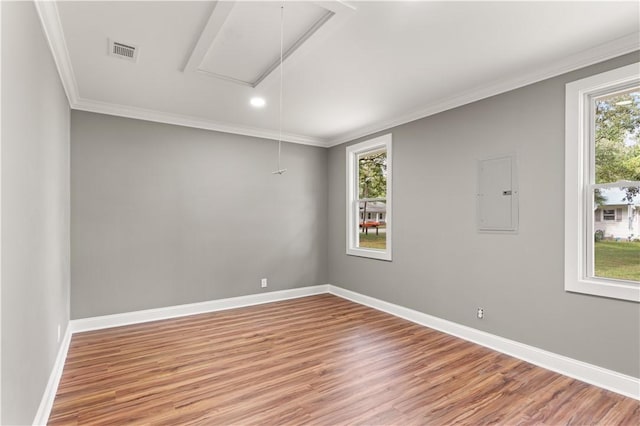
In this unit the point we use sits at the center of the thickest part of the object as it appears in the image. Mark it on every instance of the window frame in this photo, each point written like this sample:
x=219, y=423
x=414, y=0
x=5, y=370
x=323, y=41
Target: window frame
x=353, y=200
x=579, y=212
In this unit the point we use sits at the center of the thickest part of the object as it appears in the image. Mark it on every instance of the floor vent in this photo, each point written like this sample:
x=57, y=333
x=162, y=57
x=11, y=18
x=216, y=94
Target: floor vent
x=123, y=51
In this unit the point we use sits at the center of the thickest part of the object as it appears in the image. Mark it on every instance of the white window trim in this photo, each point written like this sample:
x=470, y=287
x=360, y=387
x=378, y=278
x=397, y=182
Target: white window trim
x=577, y=199
x=383, y=141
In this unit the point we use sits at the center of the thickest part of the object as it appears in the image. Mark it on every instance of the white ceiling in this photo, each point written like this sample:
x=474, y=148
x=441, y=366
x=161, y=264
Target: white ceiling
x=370, y=66
x=244, y=42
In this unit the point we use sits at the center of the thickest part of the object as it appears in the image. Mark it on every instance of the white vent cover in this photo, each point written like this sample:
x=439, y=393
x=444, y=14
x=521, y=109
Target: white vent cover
x=126, y=51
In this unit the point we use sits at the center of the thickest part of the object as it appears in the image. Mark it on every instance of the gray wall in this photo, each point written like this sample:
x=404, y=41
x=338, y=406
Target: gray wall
x=35, y=212
x=443, y=267
x=164, y=215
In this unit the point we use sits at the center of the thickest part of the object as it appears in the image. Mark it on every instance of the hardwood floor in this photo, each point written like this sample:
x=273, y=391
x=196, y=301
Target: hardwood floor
x=318, y=360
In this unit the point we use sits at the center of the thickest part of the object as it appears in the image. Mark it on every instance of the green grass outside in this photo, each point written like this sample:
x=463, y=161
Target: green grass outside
x=619, y=260
x=371, y=240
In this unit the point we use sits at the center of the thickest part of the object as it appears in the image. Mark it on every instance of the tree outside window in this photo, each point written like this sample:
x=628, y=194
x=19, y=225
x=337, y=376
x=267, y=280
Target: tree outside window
x=616, y=251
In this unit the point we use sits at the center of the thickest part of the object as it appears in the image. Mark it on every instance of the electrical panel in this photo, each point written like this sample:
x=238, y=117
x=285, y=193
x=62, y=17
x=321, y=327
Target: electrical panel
x=497, y=197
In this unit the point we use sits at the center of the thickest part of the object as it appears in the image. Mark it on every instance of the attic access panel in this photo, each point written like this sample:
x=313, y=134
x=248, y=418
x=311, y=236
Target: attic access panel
x=497, y=198
x=241, y=41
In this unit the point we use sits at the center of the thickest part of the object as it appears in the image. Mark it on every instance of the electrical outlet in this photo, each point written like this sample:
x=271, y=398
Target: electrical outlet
x=480, y=313
x=263, y=282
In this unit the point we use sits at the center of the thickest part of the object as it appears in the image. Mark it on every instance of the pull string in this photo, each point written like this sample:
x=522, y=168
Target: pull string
x=279, y=170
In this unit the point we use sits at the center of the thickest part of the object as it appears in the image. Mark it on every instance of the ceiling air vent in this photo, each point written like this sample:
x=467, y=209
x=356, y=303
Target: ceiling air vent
x=123, y=51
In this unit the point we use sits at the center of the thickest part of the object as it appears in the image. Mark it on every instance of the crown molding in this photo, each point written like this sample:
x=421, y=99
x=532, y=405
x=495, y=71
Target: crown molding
x=603, y=52
x=50, y=19
x=52, y=27
x=188, y=121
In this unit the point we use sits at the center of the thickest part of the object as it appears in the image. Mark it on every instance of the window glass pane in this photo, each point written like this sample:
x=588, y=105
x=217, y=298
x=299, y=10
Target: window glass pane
x=616, y=251
x=372, y=174
x=617, y=136
x=372, y=232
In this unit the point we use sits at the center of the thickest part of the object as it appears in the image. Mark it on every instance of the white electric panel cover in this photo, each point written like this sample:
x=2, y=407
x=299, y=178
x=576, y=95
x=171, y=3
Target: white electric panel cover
x=497, y=198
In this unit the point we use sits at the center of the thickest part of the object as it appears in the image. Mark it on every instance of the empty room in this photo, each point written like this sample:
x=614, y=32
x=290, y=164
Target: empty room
x=320, y=213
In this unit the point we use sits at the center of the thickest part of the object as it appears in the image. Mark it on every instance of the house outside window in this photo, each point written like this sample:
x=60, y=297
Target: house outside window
x=369, y=174
x=602, y=184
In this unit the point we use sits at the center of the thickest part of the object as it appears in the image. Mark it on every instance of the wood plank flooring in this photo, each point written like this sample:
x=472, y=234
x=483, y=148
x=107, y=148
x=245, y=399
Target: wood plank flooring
x=318, y=360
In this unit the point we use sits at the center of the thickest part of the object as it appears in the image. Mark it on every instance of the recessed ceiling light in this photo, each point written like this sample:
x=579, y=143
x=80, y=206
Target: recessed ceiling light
x=257, y=102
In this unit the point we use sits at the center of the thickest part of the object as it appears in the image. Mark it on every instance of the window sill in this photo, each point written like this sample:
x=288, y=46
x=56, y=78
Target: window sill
x=371, y=254
x=615, y=289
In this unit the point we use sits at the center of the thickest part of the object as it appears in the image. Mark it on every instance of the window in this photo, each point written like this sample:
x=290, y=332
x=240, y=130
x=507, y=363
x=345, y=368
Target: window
x=609, y=214
x=602, y=184
x=369, y=196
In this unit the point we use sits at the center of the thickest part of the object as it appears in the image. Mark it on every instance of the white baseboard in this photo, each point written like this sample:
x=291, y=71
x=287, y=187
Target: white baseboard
x=598, y=376
x=42, y=415
x=589, y=373
x=137, y=317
